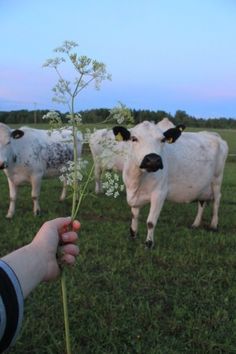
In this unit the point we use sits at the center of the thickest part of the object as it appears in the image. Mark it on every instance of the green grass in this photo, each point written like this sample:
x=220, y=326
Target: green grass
x=177, y=298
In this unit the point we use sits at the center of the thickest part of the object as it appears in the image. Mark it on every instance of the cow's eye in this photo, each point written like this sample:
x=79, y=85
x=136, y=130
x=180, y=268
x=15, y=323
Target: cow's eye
x=133, y=138
x=8, y=142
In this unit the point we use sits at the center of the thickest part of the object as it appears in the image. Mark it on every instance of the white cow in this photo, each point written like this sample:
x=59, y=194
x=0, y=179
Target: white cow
x=189, y=170
x=165, y=124
x=108, y=154
x=27, y=155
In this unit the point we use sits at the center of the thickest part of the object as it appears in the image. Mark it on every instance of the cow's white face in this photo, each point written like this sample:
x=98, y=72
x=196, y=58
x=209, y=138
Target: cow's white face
x=146, y=143
x=146, y=146
x=6, y=137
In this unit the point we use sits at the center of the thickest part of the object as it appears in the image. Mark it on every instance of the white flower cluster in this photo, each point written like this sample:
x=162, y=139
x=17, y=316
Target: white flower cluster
x=53, y=63
x=54, y=118
x=118, y=117
x=52, y=115
x=121, y=114
x=77, y=119
x=112, y=185
x=66, y=46
x=71, y=169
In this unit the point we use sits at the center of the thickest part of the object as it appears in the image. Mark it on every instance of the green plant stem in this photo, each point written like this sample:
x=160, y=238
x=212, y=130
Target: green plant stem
x=75, y=179
x=96, y=72
x=65, y=310
x=63, y=276
x=82, y=194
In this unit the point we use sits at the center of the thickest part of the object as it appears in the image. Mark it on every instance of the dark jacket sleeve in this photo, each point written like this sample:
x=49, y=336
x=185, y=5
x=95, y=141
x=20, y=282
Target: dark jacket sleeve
x=11, y=306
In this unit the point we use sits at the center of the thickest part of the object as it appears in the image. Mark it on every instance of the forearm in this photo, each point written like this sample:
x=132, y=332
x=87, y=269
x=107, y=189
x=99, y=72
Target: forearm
x=28, y=265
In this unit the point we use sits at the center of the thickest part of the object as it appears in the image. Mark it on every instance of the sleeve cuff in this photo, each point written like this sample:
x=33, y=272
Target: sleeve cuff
x=11, y=306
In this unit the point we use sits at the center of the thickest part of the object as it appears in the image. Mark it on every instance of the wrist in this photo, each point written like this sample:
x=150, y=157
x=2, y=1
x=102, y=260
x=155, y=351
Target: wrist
x=38, y=260
x=28, y=265
x=46, y=264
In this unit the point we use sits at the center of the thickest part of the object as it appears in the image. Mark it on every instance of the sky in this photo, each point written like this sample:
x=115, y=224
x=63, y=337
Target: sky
x=162, y=54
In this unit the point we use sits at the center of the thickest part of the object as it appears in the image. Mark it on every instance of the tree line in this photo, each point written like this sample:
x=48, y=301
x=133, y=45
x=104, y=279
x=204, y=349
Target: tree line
x=99, y=115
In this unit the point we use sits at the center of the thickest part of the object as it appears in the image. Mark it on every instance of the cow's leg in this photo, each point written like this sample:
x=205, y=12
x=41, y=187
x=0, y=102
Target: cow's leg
x=13, y=196
x=216, y=187
x=97, y=175
x=198, y=218
x=154, y=212
x=63, y=193
x=134, y=222
x=35, y=192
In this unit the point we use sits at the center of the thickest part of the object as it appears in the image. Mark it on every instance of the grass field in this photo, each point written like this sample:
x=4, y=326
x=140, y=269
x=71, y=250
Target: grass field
x=177, y=298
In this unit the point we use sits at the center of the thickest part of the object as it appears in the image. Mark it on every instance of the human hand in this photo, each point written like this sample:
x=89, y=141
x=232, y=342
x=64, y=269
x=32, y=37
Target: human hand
x=55, y=243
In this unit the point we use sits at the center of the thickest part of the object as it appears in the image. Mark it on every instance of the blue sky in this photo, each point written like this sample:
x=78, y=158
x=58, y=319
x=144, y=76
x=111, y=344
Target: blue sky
x=162, y=54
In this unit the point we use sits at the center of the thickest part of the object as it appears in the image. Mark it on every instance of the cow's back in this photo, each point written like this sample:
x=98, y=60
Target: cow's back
x=42, y=152
x=193, y=163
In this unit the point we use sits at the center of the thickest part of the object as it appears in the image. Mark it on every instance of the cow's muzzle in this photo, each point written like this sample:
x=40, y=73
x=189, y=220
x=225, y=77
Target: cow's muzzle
x=3, y=165
x=152, y=163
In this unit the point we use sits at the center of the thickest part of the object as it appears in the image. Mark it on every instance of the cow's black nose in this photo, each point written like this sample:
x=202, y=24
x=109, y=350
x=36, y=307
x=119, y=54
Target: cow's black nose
x=152, y=163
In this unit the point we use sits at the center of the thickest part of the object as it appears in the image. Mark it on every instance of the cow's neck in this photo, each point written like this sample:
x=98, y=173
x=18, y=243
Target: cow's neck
x=132, y=177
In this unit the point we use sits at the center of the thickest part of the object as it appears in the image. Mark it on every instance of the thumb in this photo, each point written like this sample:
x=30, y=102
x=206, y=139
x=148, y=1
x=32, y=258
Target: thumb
x=62, y=224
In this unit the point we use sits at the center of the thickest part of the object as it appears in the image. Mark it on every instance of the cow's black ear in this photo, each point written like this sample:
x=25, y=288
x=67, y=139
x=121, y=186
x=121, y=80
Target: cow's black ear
x=121, y=133
x=172, y=134
x=17, y=134
x=181, y=127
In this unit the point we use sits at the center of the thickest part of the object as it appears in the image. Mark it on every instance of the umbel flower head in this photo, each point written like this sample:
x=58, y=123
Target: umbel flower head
x=87, y=71
x=68, y=171
x=120, y=114
x=75, y=119
x=112, y=184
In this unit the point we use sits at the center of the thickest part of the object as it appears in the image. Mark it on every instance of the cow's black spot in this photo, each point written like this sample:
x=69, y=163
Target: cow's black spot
x=57, y=154
x=150, y=225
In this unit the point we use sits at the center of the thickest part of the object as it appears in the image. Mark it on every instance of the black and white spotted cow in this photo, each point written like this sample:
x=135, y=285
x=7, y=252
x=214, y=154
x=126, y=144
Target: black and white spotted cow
x=189, y=170
x=27, y=155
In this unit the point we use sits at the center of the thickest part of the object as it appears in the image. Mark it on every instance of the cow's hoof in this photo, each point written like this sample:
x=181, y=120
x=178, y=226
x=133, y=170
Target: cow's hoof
x=149, y=244
x=9, y=216
x=213, y=229
x=193, y=227
x=132, y=234
x=132, y=238
x=37, y=212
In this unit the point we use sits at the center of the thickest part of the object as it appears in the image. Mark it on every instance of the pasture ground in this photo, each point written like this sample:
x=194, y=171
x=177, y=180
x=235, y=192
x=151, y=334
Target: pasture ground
x=177, y=298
